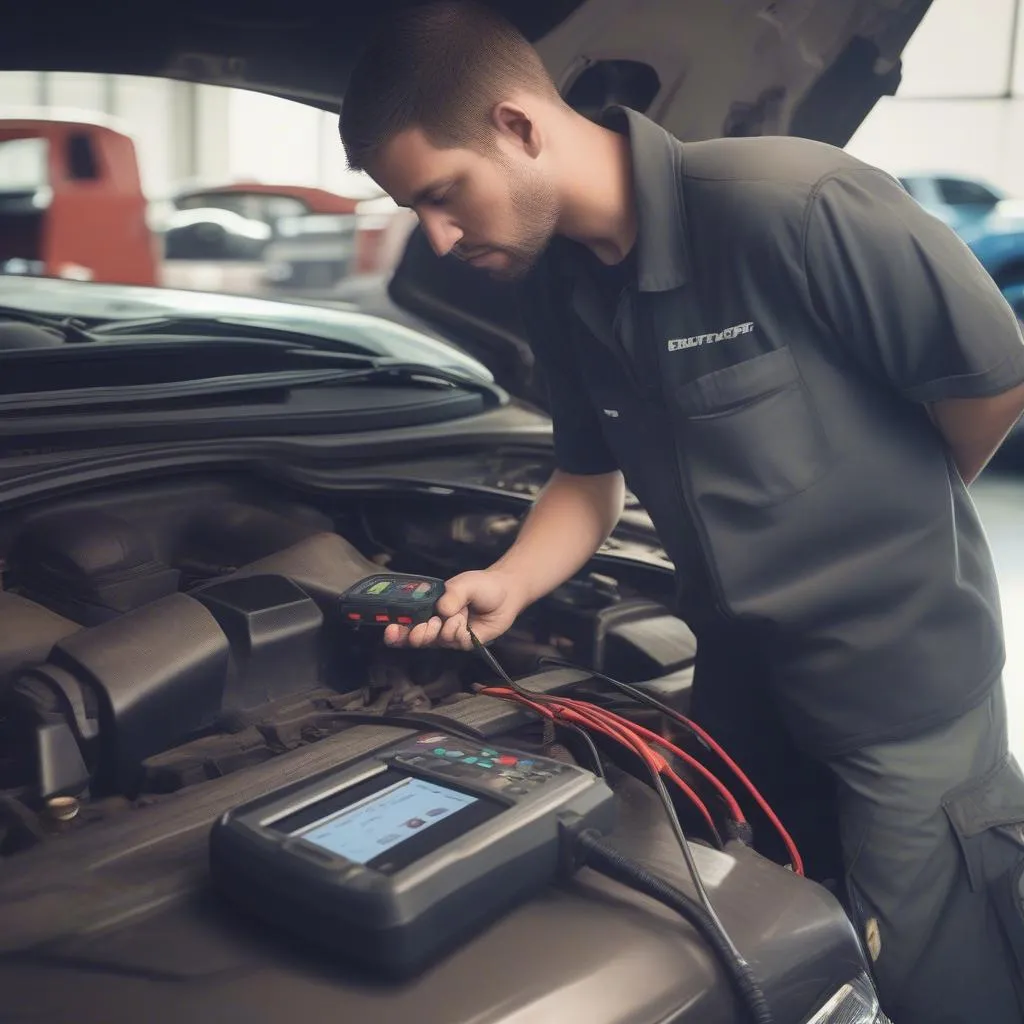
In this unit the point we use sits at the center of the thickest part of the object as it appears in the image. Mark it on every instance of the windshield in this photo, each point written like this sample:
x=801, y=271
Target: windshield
x=338, y=325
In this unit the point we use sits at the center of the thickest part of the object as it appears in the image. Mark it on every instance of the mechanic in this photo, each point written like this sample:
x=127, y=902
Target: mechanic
x=798, y=372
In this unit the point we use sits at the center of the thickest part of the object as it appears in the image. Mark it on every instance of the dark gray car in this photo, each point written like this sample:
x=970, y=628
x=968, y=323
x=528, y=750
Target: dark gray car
x=147, y=469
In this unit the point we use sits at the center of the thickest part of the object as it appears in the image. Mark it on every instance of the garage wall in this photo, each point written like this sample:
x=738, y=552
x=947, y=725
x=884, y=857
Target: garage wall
x=275, y=140
x=978, y=138
x=960, y=107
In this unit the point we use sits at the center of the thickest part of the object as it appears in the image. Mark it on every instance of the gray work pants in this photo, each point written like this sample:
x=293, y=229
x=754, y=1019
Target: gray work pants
x=929, y=832
x=932, y=833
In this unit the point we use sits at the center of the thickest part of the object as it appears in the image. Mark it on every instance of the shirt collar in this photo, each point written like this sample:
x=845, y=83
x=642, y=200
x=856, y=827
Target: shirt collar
x=661, y=245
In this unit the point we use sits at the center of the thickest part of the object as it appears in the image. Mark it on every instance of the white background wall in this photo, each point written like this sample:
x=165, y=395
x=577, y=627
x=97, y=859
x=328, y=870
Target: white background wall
x=278, y=140
x=960, y=108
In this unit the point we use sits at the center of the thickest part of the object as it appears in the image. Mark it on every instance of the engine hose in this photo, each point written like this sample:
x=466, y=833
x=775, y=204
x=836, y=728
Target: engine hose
x=605, y=859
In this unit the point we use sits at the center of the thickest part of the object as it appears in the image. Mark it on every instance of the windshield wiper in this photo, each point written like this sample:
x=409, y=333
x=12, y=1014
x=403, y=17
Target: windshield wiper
x=402, y=374
x=77, y=331
x=218, y=326
x=73, y=330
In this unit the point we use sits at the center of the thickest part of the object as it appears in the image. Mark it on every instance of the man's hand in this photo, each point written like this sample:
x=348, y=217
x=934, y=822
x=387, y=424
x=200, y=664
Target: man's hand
x=974, y=428
x=568, y=522
x=486, y=599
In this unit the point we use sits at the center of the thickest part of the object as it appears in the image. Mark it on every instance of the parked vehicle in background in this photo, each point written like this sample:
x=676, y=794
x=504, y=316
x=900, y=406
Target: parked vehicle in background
x=269, y=203
x=310, y=253
x=988, y=220
x=276, y=238
x=71, y=200
x=992, y=224
x=223, y=236
x=957, y=200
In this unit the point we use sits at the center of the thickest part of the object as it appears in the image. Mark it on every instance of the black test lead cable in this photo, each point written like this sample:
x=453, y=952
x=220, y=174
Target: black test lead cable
x=495, y=665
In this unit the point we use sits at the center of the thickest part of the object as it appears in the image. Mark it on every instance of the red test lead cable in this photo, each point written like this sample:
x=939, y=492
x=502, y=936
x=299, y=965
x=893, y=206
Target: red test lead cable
x=637, y=739
x=794, y=853
x=655, y=738
x=619, y=726
x=712, y=744
x=640, y=734
x=610, y=725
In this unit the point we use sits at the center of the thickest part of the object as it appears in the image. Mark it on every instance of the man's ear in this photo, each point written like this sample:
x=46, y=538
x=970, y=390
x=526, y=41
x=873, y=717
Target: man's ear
x=514, y=124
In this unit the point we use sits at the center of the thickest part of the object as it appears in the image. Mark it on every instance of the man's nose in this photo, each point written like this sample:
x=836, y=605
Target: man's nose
x=442, y=233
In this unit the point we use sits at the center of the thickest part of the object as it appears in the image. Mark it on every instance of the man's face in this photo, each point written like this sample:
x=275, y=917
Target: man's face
x=495, y=210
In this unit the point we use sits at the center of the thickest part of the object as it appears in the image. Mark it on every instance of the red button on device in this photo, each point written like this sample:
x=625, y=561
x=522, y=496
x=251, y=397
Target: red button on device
x=381, y=618
x=355, y=616
x=506, y=759
x=404, y=619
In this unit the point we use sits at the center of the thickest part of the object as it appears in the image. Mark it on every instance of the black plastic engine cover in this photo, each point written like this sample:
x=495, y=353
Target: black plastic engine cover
x=89, y=566
x=324, y=565
x=632, y=639
x=158, y=674
x=275, y=630
x=29, y=632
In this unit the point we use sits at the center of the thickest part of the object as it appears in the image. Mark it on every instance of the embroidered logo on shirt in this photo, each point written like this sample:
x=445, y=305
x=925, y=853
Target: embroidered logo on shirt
x=611, y=412
x=675, y=344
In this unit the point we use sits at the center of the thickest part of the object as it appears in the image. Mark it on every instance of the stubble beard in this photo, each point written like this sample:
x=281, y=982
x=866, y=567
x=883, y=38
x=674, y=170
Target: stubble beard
x=535, y=208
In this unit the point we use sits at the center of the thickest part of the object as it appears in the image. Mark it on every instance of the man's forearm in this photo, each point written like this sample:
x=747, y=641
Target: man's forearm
x=570, y=520
x=974, y=428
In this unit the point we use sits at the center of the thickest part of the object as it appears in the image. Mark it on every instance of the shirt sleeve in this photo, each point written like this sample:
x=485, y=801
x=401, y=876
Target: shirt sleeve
x=580, y=445
x=904, y=294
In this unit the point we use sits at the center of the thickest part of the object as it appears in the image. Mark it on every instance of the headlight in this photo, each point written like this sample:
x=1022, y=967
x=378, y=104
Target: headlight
x=855, y=1003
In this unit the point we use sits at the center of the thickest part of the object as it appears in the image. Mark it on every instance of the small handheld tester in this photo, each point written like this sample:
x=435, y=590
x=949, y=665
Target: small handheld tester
x=391, y=597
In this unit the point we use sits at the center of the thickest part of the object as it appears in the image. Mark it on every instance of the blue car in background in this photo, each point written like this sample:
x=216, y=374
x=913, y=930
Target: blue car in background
x=987, y=219
x=992, y=225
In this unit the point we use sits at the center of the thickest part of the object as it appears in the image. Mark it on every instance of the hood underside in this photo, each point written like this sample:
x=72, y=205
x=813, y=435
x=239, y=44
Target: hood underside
x=701, y=68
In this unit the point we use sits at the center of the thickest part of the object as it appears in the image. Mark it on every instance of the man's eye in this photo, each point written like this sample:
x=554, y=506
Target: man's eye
x=440, y=198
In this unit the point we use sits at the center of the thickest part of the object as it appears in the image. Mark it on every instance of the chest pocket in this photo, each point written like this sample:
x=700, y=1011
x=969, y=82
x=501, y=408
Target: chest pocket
x=750, y=433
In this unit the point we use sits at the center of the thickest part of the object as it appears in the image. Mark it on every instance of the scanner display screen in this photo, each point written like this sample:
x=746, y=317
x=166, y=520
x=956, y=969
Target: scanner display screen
x=376, y=824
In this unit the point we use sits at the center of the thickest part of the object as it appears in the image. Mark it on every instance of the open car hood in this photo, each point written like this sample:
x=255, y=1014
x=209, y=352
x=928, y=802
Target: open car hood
x=701, y=68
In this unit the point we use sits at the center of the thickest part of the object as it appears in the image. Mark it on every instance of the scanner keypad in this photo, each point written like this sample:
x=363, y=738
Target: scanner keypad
x=502, y=771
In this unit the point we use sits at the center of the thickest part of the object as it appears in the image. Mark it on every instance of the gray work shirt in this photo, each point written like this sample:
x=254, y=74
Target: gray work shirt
x=761, y=380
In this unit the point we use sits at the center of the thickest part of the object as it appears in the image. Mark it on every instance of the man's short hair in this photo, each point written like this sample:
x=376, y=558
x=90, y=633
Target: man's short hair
x=440, y=67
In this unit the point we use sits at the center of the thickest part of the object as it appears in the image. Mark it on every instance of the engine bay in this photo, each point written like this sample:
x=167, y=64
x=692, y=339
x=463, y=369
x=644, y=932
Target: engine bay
x=158, y=635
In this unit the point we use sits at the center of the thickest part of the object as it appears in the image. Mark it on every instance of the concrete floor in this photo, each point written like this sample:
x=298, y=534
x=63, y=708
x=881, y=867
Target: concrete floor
x=999, y=495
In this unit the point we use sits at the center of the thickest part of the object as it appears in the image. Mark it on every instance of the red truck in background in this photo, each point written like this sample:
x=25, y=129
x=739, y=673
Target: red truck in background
x=71, y=202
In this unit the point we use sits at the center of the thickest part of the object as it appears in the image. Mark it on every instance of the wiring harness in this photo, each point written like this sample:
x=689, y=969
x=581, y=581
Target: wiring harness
x=660, y=757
